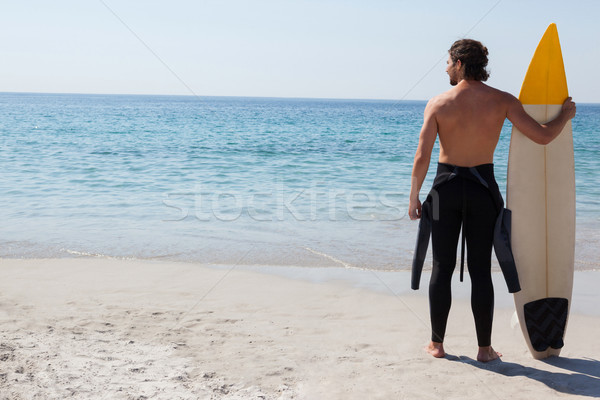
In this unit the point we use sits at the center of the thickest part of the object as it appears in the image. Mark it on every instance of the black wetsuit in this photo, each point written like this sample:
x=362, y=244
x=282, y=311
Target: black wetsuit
x=466, y=198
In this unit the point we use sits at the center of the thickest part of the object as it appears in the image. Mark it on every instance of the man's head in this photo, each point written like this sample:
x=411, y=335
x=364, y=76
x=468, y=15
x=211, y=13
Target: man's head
x=468, y=59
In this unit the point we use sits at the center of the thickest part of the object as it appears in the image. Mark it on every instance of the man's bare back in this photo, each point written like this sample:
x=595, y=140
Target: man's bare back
x=469, y=120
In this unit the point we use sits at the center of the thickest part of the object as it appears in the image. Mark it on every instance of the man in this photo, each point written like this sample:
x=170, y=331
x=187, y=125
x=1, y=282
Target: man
x=468, y=119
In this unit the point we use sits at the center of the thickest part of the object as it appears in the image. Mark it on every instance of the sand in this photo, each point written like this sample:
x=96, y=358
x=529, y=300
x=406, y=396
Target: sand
x=124, y=329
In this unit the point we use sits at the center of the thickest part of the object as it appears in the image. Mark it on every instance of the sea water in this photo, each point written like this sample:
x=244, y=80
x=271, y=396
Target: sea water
x=222, y=180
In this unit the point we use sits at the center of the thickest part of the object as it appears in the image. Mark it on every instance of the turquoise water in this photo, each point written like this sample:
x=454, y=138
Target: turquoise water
x=229, y=180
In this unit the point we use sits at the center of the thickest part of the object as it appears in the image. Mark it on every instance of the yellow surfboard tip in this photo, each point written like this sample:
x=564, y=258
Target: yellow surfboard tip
x=545, y=81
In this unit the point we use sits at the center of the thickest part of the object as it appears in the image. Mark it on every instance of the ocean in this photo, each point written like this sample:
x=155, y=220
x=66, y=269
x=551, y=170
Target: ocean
x=236, y=181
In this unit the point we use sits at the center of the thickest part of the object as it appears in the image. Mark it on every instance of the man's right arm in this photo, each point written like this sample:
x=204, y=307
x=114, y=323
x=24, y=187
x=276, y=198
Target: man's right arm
x=427, y=138
x=539, y=133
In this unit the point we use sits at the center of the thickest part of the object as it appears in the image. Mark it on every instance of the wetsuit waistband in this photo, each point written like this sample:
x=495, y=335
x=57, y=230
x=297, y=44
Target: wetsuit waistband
x=484, y=173
x=481, y=168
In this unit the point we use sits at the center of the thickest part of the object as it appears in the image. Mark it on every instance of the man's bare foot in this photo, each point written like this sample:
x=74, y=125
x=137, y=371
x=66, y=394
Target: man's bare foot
x=487, y=354
x=436, y=349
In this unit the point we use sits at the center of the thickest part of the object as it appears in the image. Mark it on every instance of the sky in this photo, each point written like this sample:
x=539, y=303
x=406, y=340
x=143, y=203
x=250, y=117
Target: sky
x=369, y=49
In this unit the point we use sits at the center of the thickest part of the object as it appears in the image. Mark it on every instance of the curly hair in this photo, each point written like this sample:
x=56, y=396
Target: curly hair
x=473, y=55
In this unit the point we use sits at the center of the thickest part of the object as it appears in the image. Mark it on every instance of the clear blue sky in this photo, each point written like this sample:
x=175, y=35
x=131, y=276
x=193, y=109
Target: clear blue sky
x=380, y=49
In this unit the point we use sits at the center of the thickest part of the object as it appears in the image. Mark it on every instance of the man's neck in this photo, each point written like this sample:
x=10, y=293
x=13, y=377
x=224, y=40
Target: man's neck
x=469, y=82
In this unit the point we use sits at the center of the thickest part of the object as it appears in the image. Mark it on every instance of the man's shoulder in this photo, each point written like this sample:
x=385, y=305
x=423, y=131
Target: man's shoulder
x=440, y=99
x=501, y=94
x=457, y=94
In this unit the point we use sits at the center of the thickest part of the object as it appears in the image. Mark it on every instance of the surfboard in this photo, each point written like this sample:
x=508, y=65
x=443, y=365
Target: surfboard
x=541, y=195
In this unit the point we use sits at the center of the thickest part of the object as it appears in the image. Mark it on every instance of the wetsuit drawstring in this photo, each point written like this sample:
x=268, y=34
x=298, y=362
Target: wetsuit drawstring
x=464, y=224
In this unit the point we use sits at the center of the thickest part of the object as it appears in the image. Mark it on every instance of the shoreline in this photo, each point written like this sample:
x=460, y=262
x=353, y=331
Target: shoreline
x=96, y=328
x=391, y=282
x=391, y=254
x=397, y=283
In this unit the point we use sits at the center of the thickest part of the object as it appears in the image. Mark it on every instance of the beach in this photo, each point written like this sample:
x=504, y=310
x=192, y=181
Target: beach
x=173, y=247
x=210, y=200
x=104, y=328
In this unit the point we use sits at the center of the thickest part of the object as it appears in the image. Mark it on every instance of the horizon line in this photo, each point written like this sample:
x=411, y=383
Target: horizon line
x=213, y=96
x=236, y=96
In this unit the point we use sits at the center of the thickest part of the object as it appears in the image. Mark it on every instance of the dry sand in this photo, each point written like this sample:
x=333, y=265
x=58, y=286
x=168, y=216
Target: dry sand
x=114, y=329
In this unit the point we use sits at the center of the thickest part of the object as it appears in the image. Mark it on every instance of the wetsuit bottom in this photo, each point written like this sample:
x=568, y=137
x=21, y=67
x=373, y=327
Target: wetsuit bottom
x=467, y=203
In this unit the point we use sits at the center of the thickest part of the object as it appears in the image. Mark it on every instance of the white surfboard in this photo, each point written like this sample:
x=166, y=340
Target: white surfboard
x=541, y=196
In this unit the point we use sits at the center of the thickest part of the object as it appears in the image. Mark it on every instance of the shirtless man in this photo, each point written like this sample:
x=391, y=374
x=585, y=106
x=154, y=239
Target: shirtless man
x=468, y=119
